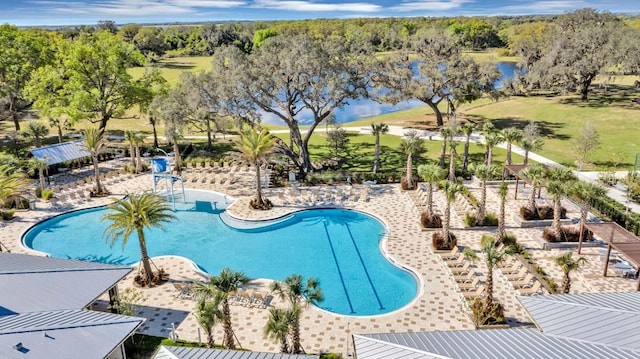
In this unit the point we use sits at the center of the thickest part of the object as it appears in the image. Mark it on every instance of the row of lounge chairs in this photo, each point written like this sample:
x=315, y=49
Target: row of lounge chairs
x=322, y=195
x=521, y=278
x=463, y=274
x=243, y=297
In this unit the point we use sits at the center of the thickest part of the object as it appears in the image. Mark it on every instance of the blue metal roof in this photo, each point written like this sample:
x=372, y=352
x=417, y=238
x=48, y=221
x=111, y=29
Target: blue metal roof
x=61, y=152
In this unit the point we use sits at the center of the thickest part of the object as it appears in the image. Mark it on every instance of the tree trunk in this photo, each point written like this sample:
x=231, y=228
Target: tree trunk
x=556, y=216
x=526, y=157
x=152, y=121
x=229, y=343
x=96, y=170
x=447, y=222
x=284, y=346
x=443, y=151
x=489, y=285
x=295, y=336
x=503, y=202
x=508, y=153
x=436, y=111
x=259, y=201
x=409, y=171
x=430, y=199
x=103, y=122
x=41, y=178
x=146, y=264
x=465, y=159
x=452, y=163
x=14, y=113
x=210, y=342
x=483, y=204
x=532, y=200
x=489, y=155
x=584, y=89
x=376, y=161
x=138, y=160
x=132, y=154
x=59, y=134
x=566, y=283
x=209, y=140
x=176, y=156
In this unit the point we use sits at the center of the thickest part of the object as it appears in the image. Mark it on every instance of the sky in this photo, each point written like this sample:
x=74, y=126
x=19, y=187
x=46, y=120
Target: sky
x=89, y=12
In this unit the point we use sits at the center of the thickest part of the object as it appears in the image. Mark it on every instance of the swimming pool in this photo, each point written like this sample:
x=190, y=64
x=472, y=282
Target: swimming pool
x=338, y=247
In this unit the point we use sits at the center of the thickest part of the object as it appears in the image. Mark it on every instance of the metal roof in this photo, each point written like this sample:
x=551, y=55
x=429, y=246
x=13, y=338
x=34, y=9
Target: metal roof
x=61, y=152
x=64, y=334
x=607, y=318
x=370, y=348
x=167, y=352
x=71, y=287
x=492, y=343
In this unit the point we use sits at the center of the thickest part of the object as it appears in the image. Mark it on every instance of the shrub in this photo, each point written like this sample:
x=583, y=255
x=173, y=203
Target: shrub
x=541, y=212
x=7, y=214
x=404, y=184
x=330, y=356
x=490, y=220
x=38, y=192
x=439, y=242
x=430, y=221
x=567, y=234
x=266, y=204
x=47, y=194
x=483, y=313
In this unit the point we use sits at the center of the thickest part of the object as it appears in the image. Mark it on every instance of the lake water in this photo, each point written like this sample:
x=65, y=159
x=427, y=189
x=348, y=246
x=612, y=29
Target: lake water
x=363, y=108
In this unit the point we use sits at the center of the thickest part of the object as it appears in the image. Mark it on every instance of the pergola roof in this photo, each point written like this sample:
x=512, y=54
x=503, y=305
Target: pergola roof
x=515, y=169
x=61, y=152
x=618, y=238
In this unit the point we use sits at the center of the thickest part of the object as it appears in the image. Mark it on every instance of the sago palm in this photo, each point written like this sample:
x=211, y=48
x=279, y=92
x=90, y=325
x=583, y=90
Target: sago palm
x=484, y=173
x=568, y=264
x=254, y=147
x=298, y=293
x=378, y=129
x=95, y=143
x=431, y=174
x=132, y=215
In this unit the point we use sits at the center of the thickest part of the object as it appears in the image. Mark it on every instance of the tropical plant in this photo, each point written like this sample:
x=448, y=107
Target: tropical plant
x=445, y=133
x=511, y=135
x=297, y=293
x=586, y=141
x=450, y=190
x=484, y=173
x=40, y=165
x=493, y=256
x=585, y=192
x=128, y=302
x=37, y=131
x=255, y=147
x=568, y=264
x=531, y=140
x=130, y=137
x=225, y=283
x=560, y=184
x=535, y=175
x=492, y=139
x=277, y=327
x=133, y=214
x=208, y=312
x=467, y=130
x=454, y=129
x=411, y=146
x=431, y=174
x=138, y=141
x=503, y=190
x=95, y=143
x=378, y=129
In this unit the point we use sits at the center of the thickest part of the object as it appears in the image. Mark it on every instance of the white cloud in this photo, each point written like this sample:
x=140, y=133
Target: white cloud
x=430, y=5
x=309, y=6
x=543, y=6
x=135, y=7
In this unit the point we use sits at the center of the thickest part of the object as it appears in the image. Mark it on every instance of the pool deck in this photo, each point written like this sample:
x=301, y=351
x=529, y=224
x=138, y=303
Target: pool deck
x=439, y=305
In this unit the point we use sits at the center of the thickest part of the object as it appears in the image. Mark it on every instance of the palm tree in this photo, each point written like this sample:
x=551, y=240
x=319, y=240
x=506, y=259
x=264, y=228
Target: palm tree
x=227, y=282
x=37, y=131
x=40, y=165
x=431, y=174
x=560, y=184
x=445, y=133
x=484, y=173
x=95, y=143
x=511, y=135
x=530, y=140
x=535, y=176
x=503, y=190
x=451, y=190
x=277, y=327
x=467, y=130
x=567, y=264
x=208, y=314
x=491, y=139
x=493, y=256
x=133, y=214
x=130, y=136
x=255, y=147
x=585, y=192
x=138, y=141
x=411, y=146
x=378, y=129
x=454, y=129
x=297, y=293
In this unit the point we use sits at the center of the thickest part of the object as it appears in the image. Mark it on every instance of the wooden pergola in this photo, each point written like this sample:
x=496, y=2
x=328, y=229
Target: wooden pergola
x=618, y=238
x=515, y=170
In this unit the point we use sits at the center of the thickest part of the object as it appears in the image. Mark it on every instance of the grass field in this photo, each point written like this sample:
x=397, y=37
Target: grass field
x=171, y=68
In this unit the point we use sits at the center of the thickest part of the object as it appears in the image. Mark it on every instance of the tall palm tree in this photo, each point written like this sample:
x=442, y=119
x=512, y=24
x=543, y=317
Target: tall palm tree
x=277, y=327
x=378, y=129
x=484, y=173
x=254, y=148
x=430, y=173
x=95, y=143
x=133, y=214
x=467, y=130
x=492, y=139
x=445, y=133
x=568, y=264
x=227, y=282
x=511, y=135
x=297, y=293
x=585, y=192
x=493, y=256
x=451, y=190
x=138, y=141
x=130, y=137
x=37, y=131
x=40, y=165
x=411, y=146
x=503, y=190
x=557, y=188
x=535, y=175
x=208, y=314
x=454, y=129
x=530, y=140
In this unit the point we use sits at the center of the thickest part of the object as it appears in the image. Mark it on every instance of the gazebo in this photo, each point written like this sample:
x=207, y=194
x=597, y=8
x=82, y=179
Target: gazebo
x=515, y=170
x=618, y=238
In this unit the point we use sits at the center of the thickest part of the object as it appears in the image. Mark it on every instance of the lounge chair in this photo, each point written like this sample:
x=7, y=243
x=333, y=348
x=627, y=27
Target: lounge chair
x=465, y=268
x=246, y=298
x=532, y=289
x=522, y=282
x=464, y=277
x=517, y=275
x=474, y=293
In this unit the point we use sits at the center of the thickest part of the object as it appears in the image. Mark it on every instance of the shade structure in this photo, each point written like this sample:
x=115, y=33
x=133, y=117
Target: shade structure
x=515, y=170
x=61, y=152
x=618, y=238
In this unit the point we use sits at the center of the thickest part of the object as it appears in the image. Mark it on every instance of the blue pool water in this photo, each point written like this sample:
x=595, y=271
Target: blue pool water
x=338, y=247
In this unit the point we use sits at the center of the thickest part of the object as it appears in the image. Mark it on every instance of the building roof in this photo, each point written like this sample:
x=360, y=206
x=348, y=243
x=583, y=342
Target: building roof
x=490, y=343
x=66, y=284
x=41, y=308
x=596, y=325
x=61, y=152
x=168, y=352
x=606, y=318
x=64, y=334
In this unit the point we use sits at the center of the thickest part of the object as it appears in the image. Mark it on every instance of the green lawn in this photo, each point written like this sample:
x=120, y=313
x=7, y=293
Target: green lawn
x=171, y=68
